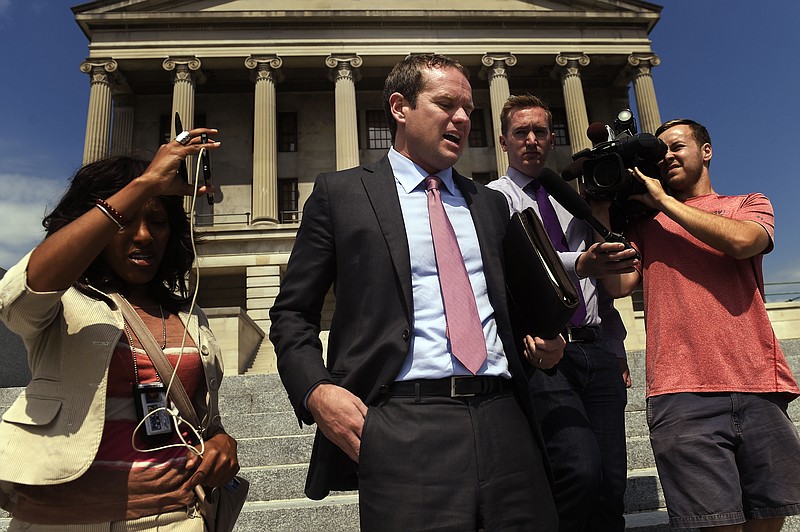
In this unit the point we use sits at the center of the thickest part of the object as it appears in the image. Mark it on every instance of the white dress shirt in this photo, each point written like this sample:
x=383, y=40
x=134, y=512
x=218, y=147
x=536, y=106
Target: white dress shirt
x=429, y=355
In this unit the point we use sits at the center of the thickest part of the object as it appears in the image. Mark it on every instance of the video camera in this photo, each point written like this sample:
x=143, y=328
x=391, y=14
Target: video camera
x=605, y=166
x=614, y=152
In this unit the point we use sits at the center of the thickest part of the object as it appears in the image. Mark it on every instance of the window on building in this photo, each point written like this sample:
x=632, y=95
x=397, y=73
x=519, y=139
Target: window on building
x=287, y=131
x=477, y=135
x=164, y=129
x=378, y=135
x=560, y=126
x=288, y=196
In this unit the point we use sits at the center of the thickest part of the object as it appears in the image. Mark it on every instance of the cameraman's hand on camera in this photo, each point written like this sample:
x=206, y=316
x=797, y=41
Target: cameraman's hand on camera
x=605, y=258
x=655, y=196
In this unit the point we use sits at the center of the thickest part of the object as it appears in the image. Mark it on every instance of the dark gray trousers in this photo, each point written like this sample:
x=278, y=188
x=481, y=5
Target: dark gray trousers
x=459, y=465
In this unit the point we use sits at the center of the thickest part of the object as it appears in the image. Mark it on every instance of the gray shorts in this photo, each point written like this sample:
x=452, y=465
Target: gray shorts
x=724, y=458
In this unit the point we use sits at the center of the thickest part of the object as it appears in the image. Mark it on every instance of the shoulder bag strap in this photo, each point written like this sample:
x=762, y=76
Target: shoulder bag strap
x=163, y=367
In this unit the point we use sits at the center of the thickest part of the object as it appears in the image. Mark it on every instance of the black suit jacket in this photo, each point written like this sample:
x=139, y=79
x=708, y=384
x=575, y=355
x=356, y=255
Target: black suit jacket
x=352, y=235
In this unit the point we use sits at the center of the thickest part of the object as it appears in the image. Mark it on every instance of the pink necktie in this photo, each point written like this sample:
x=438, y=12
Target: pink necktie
x=464, y=327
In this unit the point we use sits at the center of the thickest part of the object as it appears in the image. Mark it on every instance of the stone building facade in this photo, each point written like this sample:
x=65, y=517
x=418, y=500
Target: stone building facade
x=295, y=89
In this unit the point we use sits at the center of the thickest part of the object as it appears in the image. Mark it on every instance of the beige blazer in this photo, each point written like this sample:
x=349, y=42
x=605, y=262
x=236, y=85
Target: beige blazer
x=51, y=433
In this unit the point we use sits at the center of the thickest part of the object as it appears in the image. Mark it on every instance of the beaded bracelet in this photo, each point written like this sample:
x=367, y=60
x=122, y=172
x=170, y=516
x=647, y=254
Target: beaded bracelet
x=113, y=214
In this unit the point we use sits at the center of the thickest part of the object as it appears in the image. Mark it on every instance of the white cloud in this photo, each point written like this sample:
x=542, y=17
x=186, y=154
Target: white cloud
x=4, y=5
x=23, y=204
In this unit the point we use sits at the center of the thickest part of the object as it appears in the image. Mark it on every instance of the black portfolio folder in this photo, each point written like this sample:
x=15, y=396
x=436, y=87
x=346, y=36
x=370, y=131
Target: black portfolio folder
x=540, y=289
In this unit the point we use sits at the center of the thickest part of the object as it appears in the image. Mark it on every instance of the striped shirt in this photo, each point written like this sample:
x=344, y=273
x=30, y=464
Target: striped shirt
x=124, y=483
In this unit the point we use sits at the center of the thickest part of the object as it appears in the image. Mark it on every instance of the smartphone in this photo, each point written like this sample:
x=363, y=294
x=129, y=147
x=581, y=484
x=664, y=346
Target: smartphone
x=182, y=171
x=205, y=161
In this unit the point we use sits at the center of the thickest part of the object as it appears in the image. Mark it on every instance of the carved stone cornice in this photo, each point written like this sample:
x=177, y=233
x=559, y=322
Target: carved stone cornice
x=495, y=65
x=265, y=68
x=99, y=69
x=186, y=69
x=106, y=71
x=643, y=63
x=571, y=63
x=344, y=67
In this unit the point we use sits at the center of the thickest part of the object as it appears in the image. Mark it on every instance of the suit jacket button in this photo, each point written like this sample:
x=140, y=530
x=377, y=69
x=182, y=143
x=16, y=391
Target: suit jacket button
x=406, y=334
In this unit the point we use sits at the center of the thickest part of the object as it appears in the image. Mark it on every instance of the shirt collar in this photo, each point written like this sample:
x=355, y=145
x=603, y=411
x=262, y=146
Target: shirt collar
x=410, y=175
x=520, y=179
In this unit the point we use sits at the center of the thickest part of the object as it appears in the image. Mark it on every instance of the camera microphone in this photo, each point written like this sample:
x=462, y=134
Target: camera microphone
x=569, y=198
x=565, y=194
x=574, y=170
x=598, y=133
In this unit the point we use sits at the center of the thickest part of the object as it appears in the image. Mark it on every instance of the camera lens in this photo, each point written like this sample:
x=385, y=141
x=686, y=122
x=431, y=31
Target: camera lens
x=607, y=173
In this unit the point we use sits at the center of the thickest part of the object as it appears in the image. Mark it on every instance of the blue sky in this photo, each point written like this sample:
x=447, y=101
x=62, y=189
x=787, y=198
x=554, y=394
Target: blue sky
x=725, y=63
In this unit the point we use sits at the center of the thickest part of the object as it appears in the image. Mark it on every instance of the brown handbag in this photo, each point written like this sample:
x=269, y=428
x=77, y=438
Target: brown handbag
x=220, y=507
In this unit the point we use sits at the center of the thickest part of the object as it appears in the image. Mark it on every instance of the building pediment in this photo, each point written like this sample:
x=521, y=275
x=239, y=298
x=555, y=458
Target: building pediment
x=200, y=6
x=207, y=18
x=222, y=32
x=137, y=12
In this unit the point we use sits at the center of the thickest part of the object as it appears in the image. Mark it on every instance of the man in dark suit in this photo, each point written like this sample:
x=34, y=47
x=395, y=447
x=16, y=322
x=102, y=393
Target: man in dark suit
x=430, y=444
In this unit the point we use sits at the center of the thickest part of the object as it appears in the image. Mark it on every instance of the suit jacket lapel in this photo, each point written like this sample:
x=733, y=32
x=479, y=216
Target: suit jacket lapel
x=381, y=189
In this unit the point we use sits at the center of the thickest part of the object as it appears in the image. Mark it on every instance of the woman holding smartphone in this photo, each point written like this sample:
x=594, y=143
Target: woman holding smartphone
x=80, y=448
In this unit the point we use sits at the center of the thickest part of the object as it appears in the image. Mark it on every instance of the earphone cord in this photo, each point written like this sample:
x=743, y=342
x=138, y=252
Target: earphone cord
x=173, y=411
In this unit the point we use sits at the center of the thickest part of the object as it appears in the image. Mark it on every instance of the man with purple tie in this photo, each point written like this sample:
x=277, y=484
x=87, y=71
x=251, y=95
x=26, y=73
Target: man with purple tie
x=579, y=400
x=422, y=401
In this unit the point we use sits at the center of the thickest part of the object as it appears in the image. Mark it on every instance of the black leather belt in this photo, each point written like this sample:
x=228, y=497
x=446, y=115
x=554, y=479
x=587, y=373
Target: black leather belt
x=457, y=386
x=581, y=335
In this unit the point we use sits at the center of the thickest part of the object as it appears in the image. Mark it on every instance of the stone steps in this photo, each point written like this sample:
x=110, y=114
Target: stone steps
x=336, y=513
x=274, y=451
x=264, y=359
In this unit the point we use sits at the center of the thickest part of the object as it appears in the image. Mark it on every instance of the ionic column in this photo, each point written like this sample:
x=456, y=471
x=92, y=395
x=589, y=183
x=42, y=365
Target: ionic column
x=645, y=91
x=265, y=145
x=495, y=70
x=122, y=127
x=98, y=120
x=577, y=120
x=344, y=74
x=186, y=74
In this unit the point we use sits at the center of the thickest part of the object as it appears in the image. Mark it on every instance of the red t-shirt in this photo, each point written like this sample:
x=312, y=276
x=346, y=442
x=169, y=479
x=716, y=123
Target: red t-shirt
x=707, y=326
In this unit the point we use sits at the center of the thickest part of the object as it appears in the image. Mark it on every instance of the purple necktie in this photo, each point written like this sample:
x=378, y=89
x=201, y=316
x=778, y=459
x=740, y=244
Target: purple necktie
x=464, y=327
x=553, y=228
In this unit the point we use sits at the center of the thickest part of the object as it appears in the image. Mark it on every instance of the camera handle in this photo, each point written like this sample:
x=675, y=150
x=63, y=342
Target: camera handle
x=602, y=230
x=616, y=237
x=569, y=198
